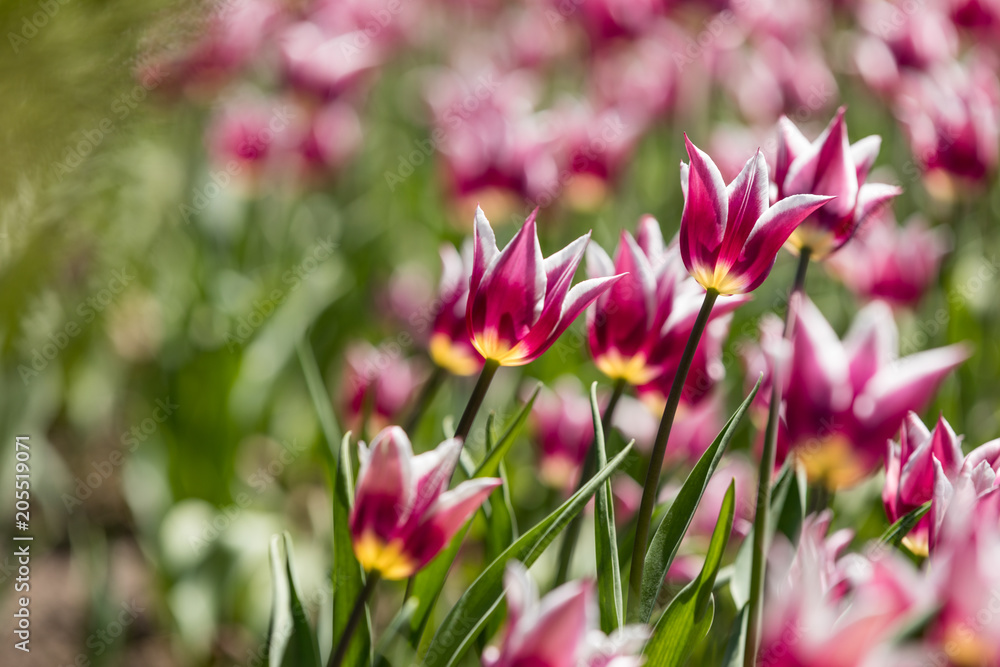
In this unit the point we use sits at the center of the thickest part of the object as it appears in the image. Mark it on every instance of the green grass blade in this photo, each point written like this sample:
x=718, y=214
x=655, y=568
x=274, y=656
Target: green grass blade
x=609, y=580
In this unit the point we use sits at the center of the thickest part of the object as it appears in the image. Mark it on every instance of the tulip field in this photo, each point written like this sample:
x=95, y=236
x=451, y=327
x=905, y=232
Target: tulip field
x=539, y=333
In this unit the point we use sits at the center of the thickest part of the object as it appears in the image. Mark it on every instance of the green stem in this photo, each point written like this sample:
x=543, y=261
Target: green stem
x=476, y=400
x=650, y=488
x=352, y=622
x=427, y=393
x=761, y=519
x=590, y=463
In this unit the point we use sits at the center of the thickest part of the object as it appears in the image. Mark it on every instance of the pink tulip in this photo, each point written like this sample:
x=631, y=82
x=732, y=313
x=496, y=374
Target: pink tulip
x=910, y=473
x=449, y=344
x=564, y=431
x=889, y=262
x=560, y=630
x=730, y=236
x=519, y=302
x=377, y=383
x=966, y=497
x=844, y=400
x=324, y=62
x=897, y=40
x=403, y=514
x=952, y=119
x=250, y=136
x=833, y=611
x=830, y=166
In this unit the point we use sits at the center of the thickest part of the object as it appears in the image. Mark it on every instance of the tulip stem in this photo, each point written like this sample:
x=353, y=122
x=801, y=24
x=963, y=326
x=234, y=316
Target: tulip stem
x=761, y=519
x=476, y=400
x=352, y=622
x=589, y=464
x=424, y=399
x=650, y=488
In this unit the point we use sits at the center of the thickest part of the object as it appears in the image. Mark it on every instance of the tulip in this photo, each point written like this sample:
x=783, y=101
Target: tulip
x=244, y=132
x=844, y=400
x=829, y=166
x=832, y=611
x=377, y=384
x=564, y=431
x=449, y=345
x=910, y=473
x=324, y=61
x=560, y=630
x=971, y=494
x=730, y=236
x=520, y=303
x=896, y=264
x=952, y=120
x=403, y=516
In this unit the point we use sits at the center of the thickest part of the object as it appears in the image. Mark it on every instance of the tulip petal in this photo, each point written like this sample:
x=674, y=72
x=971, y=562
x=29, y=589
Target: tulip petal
x=485, y=249
x=559, y=628
x=521, y=593
x=706, y=209
x=835, y=171
x=385, y=485
x=864, y=152
x=432, y=473
x=988, y=452
x=906, y=385
x=511, y=294
x=599, y=264
x=770, y=233
x=871, y=342
x=748, y=198
x=872, y=197
x=650, y=239
x=440, y=523
x=791, y=144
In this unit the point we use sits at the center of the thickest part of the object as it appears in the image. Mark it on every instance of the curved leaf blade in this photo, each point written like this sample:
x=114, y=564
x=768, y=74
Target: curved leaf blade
x=674, y=525
x=290, y=639
x=609, y=577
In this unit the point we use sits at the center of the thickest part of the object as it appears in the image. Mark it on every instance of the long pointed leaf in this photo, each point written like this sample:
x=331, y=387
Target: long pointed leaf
x=465, y=619
x=688, y=617
x=670, y=532
x=291, y=641
x=609, y=579
x=895, y=533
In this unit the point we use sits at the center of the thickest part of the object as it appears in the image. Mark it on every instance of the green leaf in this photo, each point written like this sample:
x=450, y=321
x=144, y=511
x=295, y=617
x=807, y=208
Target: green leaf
x=609, y=576
x=290, y=639
x=895, y=533
x=739, y=584
x=737, y=639
x=496, y=453
x=348, y=577
x=688, y=617
x=429, y=582
x=671, y=529
x=501, y=531
x=393, y=639
x=468, y=615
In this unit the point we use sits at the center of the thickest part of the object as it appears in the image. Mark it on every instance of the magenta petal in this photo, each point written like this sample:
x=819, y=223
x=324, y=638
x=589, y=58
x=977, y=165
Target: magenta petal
x=511, y=293
x=863, y=153
x=906, y=385
x=872, y=198
x=562, y=265
x=988, y=452
x=947, y=446
x=912, y=434
x=871, y=343
x=445, y=517
x=791, y=144
x=835, y=171
x=385, y=485
x=748, y=197
x=890, y=490
x=650, y=239
x=485, y=249
x=432, y=473
x=599, y=264
x=770, y=233
x=521, y=593
x=705, y=212
x=558, y=630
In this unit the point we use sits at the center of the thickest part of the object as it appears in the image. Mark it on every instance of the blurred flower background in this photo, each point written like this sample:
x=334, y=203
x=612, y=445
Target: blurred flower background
x=192, y=194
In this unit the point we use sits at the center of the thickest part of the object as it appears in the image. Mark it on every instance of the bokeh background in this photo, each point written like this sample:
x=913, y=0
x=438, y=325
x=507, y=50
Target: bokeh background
x=189, y=190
